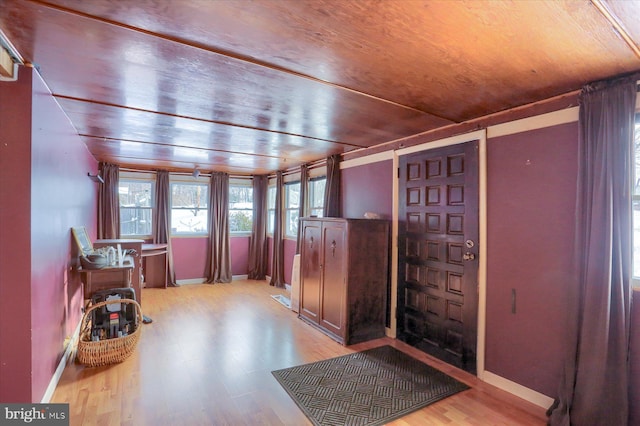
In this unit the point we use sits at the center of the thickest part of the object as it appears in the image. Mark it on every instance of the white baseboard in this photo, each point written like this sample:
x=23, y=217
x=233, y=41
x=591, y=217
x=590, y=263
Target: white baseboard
x=518, y=390
x=203, y=280
x=67, y=357
x=191, y=281
x=287, y=287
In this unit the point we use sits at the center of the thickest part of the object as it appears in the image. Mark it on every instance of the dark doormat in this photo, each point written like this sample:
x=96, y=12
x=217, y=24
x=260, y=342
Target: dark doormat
x=371, y=387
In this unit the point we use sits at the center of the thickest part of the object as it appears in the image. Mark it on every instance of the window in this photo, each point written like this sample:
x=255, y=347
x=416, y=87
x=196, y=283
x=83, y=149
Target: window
x=636, y=204
x=240, y=208
x=136, y=207
x=271, y=209
x=316, y=196
x=189, y=208
x=291, y=210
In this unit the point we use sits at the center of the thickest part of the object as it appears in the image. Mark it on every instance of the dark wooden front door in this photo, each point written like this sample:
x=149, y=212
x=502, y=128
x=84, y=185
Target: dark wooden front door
x=438, y=253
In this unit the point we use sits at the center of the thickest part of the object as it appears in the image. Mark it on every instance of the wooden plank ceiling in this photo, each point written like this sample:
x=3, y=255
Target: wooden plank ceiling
x=250, y=87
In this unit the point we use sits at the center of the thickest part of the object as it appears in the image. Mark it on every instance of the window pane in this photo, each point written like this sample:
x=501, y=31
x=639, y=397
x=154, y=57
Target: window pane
x=135, y=194
x=271, y=221
x=189, y=195
x=636, y=179
x=292, y=195
x=241, y=197
x=135, y=221
x=271, y=206
x=271, y=197
x=291, y=213
x=189, y=221
x=136, y=207
x=189, y=209
x=291, y=223
x=240, y=208
x=317, y=212
x=240, y=220
x=316, y=193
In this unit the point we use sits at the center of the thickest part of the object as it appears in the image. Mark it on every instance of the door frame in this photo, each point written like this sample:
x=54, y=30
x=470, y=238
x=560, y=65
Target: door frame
x=481, y=137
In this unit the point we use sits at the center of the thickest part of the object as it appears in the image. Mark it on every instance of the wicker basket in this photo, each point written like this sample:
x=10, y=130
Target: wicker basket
x=108, y=351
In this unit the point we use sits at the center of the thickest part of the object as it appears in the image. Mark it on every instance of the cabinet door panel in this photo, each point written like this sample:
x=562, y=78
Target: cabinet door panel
x=333, y=290
x=310, y=272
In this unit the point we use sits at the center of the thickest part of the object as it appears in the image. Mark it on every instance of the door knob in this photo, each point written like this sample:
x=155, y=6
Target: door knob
x=468, y=256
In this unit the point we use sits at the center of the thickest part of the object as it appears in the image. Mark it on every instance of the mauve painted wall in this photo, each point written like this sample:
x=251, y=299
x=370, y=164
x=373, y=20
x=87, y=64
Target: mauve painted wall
x=44, y=192
x=531, y=179
x=239, y=247
x=62, y=196
x=367, y=188
x=15, y=250
x=190, y=256
x=270, y=250
x=290, y=247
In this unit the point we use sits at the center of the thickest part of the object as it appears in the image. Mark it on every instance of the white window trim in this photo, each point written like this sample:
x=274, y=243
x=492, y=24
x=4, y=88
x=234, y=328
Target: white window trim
x=290, y=178
x=308, y=206
x=142, y=177
x=240, y=182
x=183, y=179
x=271, y=184
x=285, y=209
x=317, y=172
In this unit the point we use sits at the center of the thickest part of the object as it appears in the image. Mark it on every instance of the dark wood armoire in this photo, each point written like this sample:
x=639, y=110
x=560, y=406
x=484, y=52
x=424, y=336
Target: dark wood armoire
x=344, y=275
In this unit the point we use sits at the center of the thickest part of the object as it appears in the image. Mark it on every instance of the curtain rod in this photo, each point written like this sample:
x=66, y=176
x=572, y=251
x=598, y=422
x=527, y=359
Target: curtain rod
x=128, y=170
x=311, y=165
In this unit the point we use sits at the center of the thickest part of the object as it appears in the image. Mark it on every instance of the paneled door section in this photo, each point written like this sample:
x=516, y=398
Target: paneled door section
x=310, y=268
x=438, y=253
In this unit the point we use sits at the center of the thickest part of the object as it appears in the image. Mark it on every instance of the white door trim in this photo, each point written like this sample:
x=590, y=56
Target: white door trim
x=481, y=137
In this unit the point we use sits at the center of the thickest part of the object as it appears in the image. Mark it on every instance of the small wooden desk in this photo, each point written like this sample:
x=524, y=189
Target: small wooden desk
x=107, y=277
x=155, y=261
x=127, y=244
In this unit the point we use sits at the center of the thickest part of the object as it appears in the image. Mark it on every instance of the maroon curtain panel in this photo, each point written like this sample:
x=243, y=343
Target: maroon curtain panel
x=332, y=189
x=304, y=181
x=161, y=220
x=219, y=253
x=109, y=202
x=258, y=250
x=595, y=390
x=277, y=265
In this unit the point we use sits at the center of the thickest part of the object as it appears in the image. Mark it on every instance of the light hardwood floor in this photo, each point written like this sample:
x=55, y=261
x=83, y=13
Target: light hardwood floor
x=207, y=360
